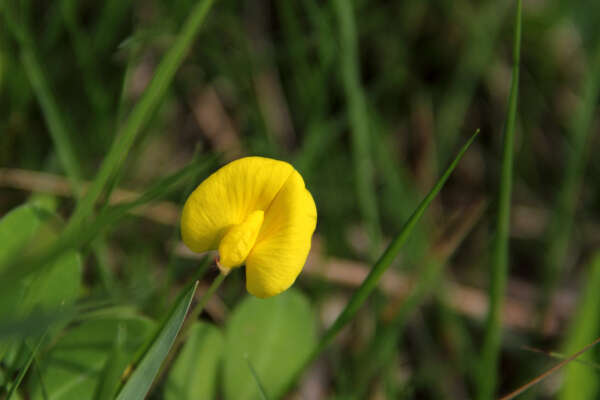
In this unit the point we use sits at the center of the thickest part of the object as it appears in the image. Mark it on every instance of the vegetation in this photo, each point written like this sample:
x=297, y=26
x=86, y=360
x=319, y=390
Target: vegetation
x=449, y=148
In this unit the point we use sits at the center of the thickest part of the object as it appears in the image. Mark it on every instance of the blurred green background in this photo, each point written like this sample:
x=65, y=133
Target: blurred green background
x=370, y=101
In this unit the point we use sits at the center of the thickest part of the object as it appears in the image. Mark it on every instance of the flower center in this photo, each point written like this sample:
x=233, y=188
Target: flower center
x=239, y=240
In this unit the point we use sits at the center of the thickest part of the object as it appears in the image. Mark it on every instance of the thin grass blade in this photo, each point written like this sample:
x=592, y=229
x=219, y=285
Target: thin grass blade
x=581, y=381
x=362, y=293
x=486, y=383
x=111, y=373
x=23, y=371
x=371, y=281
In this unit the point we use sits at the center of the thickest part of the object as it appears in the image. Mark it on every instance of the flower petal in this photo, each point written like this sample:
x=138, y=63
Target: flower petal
x=239, y=240
x=228, y=197
x=284, y=240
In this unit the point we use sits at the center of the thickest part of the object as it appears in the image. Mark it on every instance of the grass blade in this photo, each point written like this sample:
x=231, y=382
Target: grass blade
x=499, y=257
x=25, y=368
x=142, y=112
x=111, y=373
x=357, y=110
x=384, y=262
x=580, y=381
x=140, y=381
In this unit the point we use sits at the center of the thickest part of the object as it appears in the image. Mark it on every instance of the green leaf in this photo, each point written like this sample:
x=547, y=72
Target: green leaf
x=49, y=290
x=56, y=286
x=275, y=335
x=16, y=230
x=194, y=374
x=72, y=368
x=259, y=385
x=152, y=358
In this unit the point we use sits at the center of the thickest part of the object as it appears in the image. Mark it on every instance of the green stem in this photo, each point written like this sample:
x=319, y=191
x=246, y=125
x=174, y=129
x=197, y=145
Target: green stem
x=199, y=307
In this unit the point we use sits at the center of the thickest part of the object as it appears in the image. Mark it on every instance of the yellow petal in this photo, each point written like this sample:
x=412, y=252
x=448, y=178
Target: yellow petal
x=239, y=240
x=284, y=240
x=254, y=210
x=228, y=197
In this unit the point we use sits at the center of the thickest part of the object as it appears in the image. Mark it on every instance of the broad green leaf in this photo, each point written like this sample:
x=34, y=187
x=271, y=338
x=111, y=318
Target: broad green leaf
x=194, y=374
x=16, y=230
x=56, y=286
x=145, y=371
x=21, y=231
x=276, y=335
x=71, y=369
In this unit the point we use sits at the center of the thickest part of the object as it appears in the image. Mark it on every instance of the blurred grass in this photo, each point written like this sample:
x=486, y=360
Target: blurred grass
x=569, y=189
x=385, y=260
x=368, y=100
x=359, y=122
x=141, y=113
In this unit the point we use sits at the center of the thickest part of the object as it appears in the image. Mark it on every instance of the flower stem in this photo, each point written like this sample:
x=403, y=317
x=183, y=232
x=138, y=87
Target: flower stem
x=199, y=307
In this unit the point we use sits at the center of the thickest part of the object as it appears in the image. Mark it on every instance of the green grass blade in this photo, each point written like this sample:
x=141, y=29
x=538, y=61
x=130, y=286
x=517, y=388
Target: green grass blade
x=357, y=110
x=566, y=202
x=111, y=373
x=25, y=368
x=261, y=388
x=384, y=262
x=140, y=381
x=581, y=381
x=499, y=257
x=142, y=111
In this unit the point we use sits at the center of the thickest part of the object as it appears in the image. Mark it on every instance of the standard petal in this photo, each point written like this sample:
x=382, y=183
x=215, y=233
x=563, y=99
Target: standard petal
x=284, y=240
x=228, y=197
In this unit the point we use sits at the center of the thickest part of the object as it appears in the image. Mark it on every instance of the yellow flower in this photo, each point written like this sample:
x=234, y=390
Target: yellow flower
x=254, y=211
